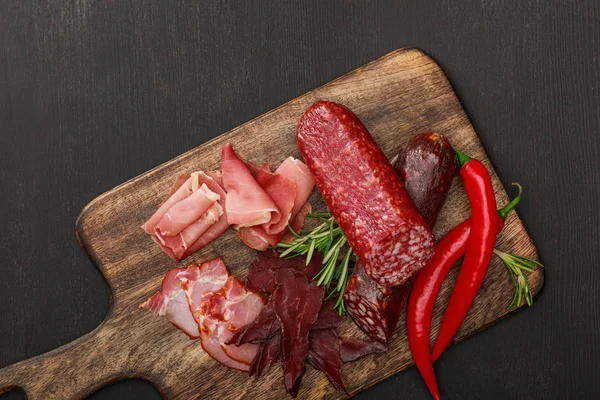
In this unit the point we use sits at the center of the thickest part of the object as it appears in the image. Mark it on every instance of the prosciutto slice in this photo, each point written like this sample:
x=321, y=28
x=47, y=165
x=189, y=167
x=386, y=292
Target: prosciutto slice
x=289, y=187
x=186, y=211
x=282, y=190
x=199, y=232
x=180, y=191
x=297, y=171
x=247, y=203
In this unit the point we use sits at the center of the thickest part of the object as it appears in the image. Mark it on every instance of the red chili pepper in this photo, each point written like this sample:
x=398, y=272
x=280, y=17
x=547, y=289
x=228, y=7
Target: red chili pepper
x=427, y=286
x=478, y=254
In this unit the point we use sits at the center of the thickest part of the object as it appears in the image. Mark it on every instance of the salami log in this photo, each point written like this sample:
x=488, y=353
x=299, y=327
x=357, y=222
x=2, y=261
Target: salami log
x=364, y=194
x=426, y=166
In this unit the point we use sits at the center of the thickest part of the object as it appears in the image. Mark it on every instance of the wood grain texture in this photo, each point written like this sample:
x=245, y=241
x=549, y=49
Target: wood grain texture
x=402, y=93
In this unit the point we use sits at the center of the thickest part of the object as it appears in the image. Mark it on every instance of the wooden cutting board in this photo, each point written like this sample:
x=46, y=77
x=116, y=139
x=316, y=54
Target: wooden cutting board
x=396, y=96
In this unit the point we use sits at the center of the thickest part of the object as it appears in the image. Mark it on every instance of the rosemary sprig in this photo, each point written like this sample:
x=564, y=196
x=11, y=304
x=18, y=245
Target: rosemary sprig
x=328, y=239
x=516, y=265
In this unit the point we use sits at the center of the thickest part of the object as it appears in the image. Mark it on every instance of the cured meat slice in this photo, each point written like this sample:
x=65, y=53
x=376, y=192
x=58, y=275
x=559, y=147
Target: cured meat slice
x=247, y=203
x=364, y=194
x=236, y=305
x=211, y=224
x=232, y=306
x=282, y=190
x=300, y=174
x=262, y=273
x=217, y=303
x=264, y=326
x=186, y=212
x=181, y=242
x=267, y=355
x=297, y=305
x=328, y=317
x=177, y=194
x=210, y=343
x=297, y=223
x=257, y=238
x=200, y=281
x=324, y=356
x=290, y=187
x=171, y=301
x=351, y=348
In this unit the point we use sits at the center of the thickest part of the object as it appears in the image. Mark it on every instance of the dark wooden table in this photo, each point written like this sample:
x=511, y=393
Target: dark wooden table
x=95, y=93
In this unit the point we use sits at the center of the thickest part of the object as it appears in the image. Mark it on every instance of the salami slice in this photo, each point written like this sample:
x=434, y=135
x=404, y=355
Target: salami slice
x=364, y=194
x=426, y=167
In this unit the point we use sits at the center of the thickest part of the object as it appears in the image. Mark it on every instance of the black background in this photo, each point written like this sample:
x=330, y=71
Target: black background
x=95, y=93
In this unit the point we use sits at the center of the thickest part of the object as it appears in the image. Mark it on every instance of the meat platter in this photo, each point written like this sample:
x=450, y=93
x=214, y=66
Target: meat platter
x=395, y=97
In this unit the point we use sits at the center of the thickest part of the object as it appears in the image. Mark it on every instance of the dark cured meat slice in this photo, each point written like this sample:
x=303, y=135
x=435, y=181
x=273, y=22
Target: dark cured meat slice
x=426, y=166
x=364, y=194
x=351, y=348
x=324, y=356
x=328, y=317
x=263, y=271
x=267, y=355
x=263, y=327
x=297, y=305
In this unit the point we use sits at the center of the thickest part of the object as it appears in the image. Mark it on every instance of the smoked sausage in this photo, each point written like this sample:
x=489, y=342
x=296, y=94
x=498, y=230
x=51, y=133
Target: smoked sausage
x=426, y=166
x=364, y=194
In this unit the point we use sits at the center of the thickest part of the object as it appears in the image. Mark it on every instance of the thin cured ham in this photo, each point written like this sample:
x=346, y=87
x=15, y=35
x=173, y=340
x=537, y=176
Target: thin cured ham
x=188, y=236
x=260, y=203
x=290, y=187
x=282, y=190
x=186, y=212
x=207, y=303
x=297, y=171
x=192, y=216
x=247, y=203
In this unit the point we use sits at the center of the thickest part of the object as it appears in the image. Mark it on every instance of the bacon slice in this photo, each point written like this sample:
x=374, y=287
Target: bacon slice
x=247, y=203
x=200, y=281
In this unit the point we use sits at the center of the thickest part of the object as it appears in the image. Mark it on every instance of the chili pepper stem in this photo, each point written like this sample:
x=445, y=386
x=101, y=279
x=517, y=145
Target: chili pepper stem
x=503, y=212
x=462, y=158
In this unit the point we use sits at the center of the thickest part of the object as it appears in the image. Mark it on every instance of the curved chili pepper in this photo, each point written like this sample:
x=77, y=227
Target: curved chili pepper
x=478, y=254
x=427, y=286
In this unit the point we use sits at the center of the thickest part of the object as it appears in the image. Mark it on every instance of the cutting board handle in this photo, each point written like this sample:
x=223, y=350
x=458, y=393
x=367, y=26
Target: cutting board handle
x=73, y=371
